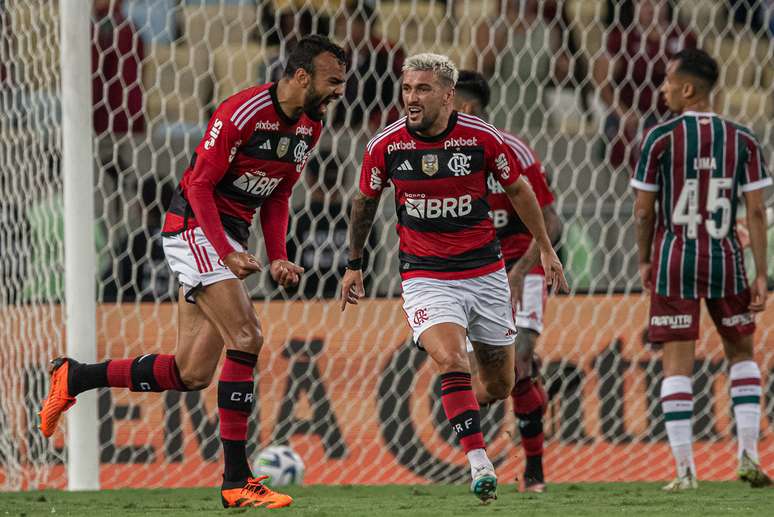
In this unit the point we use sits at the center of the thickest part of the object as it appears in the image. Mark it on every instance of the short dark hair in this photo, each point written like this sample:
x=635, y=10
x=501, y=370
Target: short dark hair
x=473, y=84
x=308, y=48
x=698, y=64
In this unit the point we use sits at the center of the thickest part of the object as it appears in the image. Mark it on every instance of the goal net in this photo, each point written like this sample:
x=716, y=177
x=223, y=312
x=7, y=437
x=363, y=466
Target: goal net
x=348, y=391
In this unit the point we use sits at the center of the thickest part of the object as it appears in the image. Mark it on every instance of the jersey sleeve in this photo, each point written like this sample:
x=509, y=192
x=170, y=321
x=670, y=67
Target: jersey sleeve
x=222, y=138
x=646, y=175
x=274, y=219
x=755, y=175
x=503, y=163
x=373, y=176
x=537, y=179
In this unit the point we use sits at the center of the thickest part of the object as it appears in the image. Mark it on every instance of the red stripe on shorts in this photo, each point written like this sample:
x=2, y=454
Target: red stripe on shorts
x=193, y=251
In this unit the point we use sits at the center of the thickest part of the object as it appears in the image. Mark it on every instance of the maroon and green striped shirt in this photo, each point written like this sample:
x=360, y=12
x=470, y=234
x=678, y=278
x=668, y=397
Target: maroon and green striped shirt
x=700, y=164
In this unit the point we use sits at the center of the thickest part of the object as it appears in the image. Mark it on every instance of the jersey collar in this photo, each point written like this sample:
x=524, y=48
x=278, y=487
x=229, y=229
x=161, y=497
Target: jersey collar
x=278, y=108
x=438, y=137
x=700, y=113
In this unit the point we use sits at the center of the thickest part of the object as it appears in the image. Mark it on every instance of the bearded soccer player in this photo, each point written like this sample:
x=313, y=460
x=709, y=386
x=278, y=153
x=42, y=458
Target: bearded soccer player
x=527, y=280
x=454, y=280
x=694, y=168
x=252, y=154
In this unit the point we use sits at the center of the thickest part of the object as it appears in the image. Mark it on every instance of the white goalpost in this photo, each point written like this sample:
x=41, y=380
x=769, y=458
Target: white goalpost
x=79, y=246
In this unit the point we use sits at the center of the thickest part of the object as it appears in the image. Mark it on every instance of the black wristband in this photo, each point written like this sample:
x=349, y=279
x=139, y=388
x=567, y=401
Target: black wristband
x=355, y=264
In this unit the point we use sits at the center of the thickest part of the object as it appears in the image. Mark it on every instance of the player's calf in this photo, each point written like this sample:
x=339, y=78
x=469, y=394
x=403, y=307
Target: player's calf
x=529, y=404
x=462, y=410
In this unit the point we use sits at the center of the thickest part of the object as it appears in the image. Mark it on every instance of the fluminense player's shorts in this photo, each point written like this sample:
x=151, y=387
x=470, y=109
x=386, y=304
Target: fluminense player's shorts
x=482, y=305
x=533, y=303
x=677, y=319
x=194, y=261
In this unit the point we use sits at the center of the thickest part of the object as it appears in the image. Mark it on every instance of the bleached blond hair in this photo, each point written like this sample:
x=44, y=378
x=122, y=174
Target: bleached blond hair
x=443, y=67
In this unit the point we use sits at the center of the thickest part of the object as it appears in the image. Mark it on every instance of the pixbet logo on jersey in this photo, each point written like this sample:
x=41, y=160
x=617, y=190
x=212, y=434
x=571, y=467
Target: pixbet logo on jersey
x=401, y=146
x=256, y=183
x=265, y=125
x=443, y=207
x=460, y=142
x=214, y=132
x=304, y=130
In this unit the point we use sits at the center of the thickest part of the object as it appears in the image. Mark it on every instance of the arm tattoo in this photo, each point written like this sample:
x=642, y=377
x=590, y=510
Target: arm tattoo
x=361, y=220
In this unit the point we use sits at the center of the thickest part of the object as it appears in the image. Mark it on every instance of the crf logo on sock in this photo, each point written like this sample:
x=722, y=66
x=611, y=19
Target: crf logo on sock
x=420, y=316
x=463, y=426
x=242, y=397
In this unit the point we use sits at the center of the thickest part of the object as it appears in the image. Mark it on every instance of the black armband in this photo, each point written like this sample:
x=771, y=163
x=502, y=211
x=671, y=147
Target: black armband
x=355, y=264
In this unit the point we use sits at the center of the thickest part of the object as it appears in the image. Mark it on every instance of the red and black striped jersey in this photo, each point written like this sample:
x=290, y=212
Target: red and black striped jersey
x=261, y=153
x=513, y=234
x=700, y=164
x=441, y=192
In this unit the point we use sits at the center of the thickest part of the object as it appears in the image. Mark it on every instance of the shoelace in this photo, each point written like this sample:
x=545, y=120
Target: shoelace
x=254, y=485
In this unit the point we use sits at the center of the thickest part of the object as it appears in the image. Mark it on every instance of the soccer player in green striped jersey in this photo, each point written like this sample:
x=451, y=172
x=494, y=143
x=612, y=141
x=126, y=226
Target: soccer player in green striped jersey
x=692, y=172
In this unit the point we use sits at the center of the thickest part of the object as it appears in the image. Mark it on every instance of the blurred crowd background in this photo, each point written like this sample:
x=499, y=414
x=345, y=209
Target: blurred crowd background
x=577, y=79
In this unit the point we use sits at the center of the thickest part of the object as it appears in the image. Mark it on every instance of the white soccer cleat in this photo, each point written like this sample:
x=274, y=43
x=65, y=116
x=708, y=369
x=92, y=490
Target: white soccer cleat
x=682, y=483
x=484, y=484
x=750, y=471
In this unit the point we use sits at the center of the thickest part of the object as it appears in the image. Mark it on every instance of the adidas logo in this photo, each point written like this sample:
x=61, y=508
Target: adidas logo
x=266, y=145
x=405, y=166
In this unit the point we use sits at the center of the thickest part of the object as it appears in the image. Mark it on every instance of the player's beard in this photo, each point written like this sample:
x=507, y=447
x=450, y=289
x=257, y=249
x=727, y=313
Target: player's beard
x=313, y=104
x=427, y=121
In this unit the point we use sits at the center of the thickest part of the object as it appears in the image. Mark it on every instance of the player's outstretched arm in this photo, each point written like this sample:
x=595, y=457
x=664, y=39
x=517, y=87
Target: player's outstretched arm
x=525, y=203
x=644, y=219
x=361, y=219
x=756, y=224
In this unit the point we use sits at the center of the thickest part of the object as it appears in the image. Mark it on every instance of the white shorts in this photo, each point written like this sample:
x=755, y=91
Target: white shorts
x=533, y=303
x=194, y=261
x=482, y=305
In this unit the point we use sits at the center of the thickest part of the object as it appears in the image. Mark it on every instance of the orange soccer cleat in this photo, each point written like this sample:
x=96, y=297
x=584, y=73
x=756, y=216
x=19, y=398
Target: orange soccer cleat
x=252, y=493
x=59, y=399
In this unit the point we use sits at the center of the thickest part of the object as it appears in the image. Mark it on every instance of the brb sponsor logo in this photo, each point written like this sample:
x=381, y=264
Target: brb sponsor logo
x=401, y=146
x=256, y=183
x=679, y=321
x=499, y=218
x=265, y=125
x=375, y=181
x=459, y=164
x=460, y=142
x=420, y=316
x=441, y=207
x=214, y=133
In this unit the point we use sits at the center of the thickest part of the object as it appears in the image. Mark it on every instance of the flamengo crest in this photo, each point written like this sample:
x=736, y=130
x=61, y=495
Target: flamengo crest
x=430, y=164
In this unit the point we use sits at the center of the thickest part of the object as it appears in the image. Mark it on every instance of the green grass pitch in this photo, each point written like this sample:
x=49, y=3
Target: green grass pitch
x=597, y=499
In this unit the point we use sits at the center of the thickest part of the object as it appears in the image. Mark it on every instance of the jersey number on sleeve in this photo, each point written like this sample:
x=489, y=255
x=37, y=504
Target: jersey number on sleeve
x=686, y=212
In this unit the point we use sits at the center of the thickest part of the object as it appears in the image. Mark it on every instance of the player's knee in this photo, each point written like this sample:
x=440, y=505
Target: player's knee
x=500, y=386
x=525, y=344
x=195, y=379
x=248, y=338
x=453, y=363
